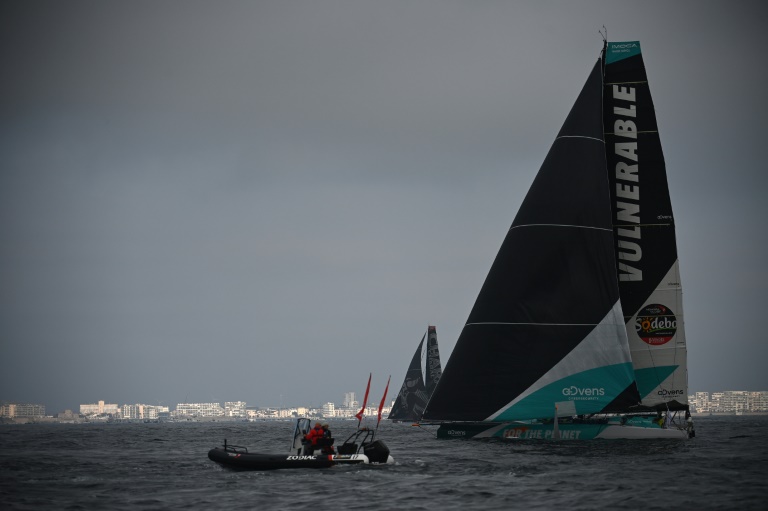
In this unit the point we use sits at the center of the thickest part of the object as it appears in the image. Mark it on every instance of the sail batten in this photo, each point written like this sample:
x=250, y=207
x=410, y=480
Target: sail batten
x=562, y=225
x=542, y=324
x=581, y=136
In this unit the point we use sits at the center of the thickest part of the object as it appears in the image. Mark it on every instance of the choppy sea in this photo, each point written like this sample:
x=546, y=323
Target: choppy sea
x=165, y=466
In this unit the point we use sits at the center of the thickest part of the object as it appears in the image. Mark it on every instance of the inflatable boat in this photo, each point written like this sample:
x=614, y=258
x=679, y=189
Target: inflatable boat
x=360, y=448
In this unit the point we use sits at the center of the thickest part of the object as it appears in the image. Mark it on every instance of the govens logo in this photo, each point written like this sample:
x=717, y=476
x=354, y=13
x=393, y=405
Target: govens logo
x=656, y=324
x=574, y=393
x=670, y=393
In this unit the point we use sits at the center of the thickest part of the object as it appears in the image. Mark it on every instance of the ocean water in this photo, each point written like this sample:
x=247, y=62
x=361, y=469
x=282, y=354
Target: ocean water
x=165, y=466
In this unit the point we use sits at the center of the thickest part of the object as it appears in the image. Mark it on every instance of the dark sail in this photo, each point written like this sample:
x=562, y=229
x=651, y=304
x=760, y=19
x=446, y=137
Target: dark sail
x=412, y=399
x=550, y=295
x=433, y=368
x=646, y=251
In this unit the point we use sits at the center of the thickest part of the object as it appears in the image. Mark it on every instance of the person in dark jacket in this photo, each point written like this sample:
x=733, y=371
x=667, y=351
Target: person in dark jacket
x=327, y=440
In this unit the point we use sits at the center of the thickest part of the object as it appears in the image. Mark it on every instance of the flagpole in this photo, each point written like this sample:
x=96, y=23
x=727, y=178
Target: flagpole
x=381, y=405
x=365, y=402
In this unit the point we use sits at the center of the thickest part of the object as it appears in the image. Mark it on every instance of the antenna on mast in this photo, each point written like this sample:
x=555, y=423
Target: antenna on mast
x=604, y=34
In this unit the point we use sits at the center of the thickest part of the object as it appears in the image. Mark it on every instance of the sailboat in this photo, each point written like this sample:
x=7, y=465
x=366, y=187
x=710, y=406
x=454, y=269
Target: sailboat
x=419, y=384
x=577, y=332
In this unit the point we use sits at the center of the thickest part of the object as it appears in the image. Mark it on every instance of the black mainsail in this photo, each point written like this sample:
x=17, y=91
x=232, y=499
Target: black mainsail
x=547, y=327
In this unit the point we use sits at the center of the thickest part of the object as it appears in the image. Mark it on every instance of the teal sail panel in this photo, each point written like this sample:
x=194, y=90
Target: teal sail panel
x=580, y=389
x=619, y=51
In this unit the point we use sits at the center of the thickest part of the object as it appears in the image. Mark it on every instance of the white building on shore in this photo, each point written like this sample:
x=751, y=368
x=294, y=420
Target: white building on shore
x=100, y=408
x=737, y=402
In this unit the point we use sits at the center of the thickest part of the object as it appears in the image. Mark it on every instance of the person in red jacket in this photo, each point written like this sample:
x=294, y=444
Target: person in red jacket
x=312, y=439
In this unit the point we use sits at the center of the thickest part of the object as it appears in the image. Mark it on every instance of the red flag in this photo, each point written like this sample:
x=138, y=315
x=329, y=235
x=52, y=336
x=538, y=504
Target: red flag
x=365, y=402
x=381, y=405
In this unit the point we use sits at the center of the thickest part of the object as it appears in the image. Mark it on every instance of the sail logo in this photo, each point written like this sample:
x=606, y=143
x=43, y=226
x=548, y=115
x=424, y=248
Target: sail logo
x=619, y=51
x=619, y=46
x=656, y=324
x=575, y=393
x=627, y=181
x=669, y=393
x=525, y=433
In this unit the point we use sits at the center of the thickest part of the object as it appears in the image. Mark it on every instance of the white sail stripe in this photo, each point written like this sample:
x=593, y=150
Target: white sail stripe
x=638, y=132
x=581, y=136
x=643, y=225
x=562, y=225
x=539, y=324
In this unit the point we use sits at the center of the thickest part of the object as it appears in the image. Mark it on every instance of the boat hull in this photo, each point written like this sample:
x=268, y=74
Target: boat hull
x=258, y=461
x=567, y=431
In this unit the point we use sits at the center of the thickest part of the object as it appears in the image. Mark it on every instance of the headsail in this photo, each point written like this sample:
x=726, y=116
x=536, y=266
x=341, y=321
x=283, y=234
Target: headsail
x=547, y=326
x=646, y=251
x=418, y=385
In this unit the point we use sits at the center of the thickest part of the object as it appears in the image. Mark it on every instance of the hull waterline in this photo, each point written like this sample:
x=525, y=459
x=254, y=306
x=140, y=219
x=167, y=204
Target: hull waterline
x=567, y=431
x=257, y=461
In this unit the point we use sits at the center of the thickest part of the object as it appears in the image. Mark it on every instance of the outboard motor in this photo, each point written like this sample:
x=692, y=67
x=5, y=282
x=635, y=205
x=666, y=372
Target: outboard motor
x=377, y=451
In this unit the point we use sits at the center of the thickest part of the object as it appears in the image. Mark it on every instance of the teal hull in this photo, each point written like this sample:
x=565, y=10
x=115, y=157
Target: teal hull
x=612, y=428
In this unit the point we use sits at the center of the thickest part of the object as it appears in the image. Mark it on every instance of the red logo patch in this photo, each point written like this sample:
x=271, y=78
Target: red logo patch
x=656, y=324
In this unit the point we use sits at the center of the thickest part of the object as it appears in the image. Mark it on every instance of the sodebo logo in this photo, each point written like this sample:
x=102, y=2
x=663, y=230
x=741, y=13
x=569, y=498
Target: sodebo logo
x=656, y=324
x=573, y=390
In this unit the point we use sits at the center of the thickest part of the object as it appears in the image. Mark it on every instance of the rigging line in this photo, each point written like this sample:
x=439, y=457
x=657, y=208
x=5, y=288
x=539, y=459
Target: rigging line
x=417, y=425
x=562, y=225
x=581, y=136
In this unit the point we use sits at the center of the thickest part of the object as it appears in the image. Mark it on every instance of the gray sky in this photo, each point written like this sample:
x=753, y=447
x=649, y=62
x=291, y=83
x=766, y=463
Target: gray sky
x=247, y=200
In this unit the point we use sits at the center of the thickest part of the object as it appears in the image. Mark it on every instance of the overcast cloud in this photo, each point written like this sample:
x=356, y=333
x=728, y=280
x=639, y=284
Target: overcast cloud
x=266, y=201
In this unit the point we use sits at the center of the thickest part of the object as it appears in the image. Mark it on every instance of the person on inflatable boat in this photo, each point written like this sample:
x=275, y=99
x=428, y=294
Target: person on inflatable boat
x=311, y=439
